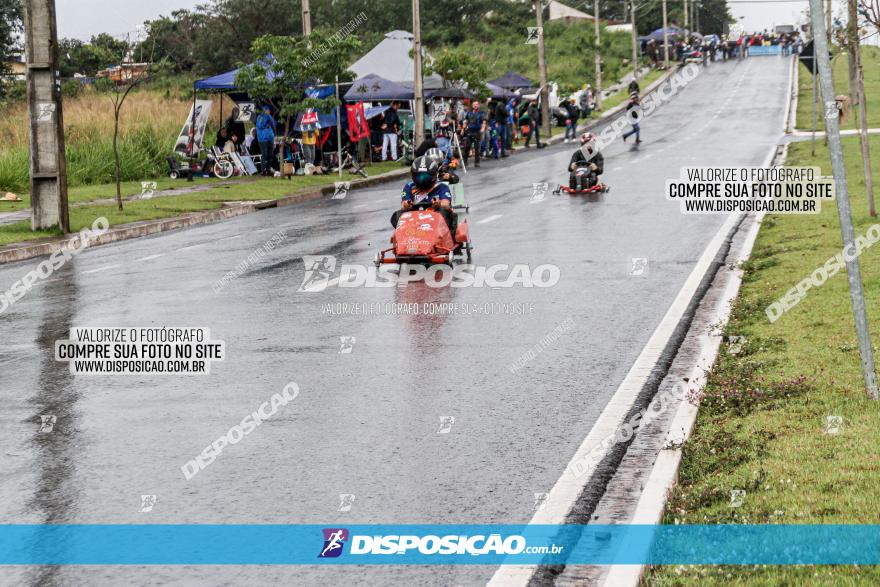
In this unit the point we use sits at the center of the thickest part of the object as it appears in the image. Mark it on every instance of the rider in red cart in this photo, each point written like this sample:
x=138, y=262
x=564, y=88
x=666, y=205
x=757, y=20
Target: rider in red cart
x=586, y=157
x=425, y=187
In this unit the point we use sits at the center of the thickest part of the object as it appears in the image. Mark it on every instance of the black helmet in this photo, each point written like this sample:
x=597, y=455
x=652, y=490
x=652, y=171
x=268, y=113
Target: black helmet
x=424, y=172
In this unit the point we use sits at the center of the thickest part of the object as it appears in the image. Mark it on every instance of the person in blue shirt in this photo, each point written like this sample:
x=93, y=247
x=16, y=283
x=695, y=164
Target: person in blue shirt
x=474, y=126
x=425, y=187
x=266, y=129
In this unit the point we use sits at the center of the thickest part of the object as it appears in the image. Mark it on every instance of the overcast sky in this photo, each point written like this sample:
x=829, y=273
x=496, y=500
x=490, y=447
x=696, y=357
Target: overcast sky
x=83, y=18
x=80, y=19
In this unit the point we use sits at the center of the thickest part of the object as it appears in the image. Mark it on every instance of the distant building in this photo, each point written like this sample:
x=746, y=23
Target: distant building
x=17, y=67
x=122, y=74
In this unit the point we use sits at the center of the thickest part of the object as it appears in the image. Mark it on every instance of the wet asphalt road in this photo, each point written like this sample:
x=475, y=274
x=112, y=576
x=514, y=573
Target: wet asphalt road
x=365, y=423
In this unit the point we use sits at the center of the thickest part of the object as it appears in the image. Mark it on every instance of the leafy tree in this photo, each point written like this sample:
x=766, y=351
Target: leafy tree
x=284, y=67
x=11, y=27
x=83, y=58
x=460, y=66
x=118, y=91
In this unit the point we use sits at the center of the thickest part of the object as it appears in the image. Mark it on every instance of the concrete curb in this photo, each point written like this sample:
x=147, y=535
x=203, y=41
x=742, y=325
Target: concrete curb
x=28, y=250
x=663, y=476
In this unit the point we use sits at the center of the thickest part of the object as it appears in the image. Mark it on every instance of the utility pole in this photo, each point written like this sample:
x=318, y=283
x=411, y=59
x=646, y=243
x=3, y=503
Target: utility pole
x=542, y=70
x=857, y=91
x=665, y=39
x=598, y=55
x=306, y=18
x=48, y=163
x=635, y=39
x=686, y=14
x=419, y=112
x=828, y=20
x=835, y=149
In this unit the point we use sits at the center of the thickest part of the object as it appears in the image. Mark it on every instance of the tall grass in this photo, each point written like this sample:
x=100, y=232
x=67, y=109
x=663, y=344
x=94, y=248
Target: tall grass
x=149, y=126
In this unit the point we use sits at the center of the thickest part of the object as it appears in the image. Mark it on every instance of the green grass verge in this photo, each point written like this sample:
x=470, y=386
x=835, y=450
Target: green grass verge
x=871, y=68
x=761, y=422
x=170, y=206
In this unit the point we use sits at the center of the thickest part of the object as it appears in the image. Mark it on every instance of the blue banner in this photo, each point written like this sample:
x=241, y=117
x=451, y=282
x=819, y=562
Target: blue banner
x=159, y=544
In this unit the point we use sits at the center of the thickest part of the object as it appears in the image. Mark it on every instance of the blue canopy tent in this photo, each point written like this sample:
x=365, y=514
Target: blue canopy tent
x=498, y=92
x=657, y=35
x=512, y=81
x=372, y=88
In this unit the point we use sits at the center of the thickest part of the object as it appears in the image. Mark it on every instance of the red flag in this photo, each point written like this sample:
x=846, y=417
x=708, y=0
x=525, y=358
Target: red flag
x=358, y=127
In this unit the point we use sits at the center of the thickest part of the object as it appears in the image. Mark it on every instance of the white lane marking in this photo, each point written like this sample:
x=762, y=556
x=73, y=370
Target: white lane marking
x=151, y=257
x=358, y=206
x=382, y=200
x=104, y=268
x=617, y=169
x=492, y=218
x=229, y=238
x=569, y=487
x=190, y=247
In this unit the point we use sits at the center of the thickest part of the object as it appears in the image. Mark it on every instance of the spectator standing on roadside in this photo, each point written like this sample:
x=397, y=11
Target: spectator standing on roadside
x=571, y=120
x=390, y=126
x=534, y=122
x=266, y=130
x=502, y=121
x=474, y=126
x=636, y=130
x=584, y=101
x=309, y=140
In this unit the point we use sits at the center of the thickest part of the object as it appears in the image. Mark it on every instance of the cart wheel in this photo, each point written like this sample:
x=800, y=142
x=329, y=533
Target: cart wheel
x=173, y=175
x=468, y=252
x=223, y=169
x=377, y=261
x=606, y=189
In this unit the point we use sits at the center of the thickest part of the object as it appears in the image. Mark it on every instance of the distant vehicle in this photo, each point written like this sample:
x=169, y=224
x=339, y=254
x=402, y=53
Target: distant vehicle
x=784, y=28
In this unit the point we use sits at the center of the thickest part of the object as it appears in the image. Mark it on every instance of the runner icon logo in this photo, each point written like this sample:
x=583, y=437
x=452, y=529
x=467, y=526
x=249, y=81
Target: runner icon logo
x=47, y=422
x=346, y=501
x=147, y=503
x=318, y=271
x=346, y=344
x=334, y=541
x=340, y=189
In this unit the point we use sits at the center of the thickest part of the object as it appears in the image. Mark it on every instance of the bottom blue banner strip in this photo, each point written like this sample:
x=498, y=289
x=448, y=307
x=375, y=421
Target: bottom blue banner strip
x=420, y=544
